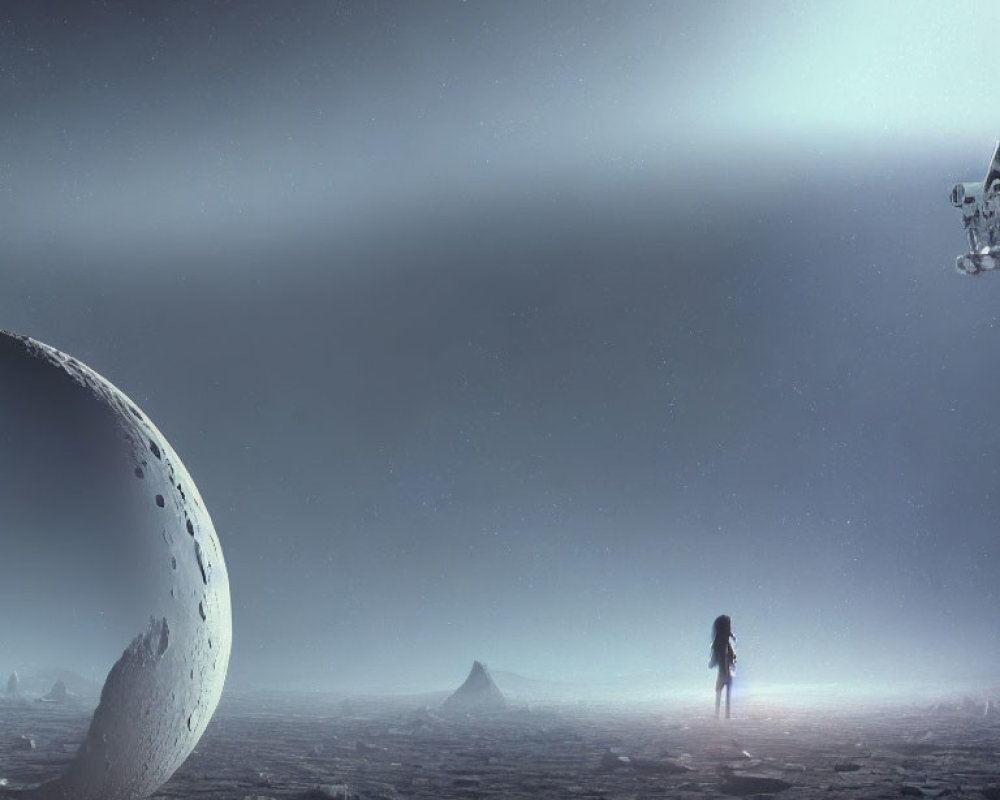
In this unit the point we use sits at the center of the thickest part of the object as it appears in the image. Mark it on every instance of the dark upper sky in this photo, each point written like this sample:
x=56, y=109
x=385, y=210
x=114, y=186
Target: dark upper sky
x=535, y=333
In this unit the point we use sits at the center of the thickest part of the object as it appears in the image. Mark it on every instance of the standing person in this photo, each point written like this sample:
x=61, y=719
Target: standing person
x=723, y=657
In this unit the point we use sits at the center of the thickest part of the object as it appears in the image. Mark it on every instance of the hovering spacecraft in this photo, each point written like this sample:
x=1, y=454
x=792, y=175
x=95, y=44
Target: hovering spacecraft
x=980, y=204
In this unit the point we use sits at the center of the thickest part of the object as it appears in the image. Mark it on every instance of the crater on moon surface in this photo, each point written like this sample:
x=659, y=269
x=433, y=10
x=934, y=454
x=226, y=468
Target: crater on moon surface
x=115, y=574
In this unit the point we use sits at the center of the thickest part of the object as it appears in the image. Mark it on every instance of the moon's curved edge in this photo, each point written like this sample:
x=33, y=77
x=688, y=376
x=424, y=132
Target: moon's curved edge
x=159, y=696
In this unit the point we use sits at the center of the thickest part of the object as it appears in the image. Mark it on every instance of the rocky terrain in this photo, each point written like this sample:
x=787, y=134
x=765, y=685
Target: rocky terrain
x=293, y=747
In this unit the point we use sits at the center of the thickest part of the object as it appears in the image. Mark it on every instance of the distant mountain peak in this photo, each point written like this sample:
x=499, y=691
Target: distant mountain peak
x=478, y=695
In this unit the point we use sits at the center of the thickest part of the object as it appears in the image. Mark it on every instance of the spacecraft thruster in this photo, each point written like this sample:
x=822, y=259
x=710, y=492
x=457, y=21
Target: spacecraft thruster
x=980, y=204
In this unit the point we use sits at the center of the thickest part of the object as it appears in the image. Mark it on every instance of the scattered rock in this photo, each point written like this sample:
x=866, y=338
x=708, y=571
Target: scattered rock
x=613, y=760
x=846, y=767
x=23, y=742
x=328, y=791
x=422, y=719
x=742, y=785
x=665, y=766
x=910, y=790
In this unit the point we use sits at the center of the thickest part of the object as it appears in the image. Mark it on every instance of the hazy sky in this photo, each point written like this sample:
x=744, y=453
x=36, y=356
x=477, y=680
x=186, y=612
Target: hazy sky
x=539, y=333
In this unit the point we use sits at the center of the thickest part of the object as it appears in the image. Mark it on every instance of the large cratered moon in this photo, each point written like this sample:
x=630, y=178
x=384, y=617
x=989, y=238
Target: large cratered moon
x=112, y=568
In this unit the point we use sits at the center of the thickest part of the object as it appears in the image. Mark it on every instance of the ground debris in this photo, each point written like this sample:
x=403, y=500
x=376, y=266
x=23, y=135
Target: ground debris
x=613, y=760
x=266, y=751
x=742, y=785
x=327, y=791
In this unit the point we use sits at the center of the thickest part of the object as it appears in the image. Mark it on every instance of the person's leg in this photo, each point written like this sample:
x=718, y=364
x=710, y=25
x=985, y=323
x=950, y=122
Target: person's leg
x=719, y=683
x=729, y=685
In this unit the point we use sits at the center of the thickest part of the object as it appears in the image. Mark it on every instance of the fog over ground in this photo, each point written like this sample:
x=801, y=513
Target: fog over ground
x=537, y=333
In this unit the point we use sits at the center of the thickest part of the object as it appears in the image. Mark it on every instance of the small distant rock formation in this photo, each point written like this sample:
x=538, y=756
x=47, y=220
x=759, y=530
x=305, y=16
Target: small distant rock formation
x=13, y=685
x=57, y=694
x=478, y=695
